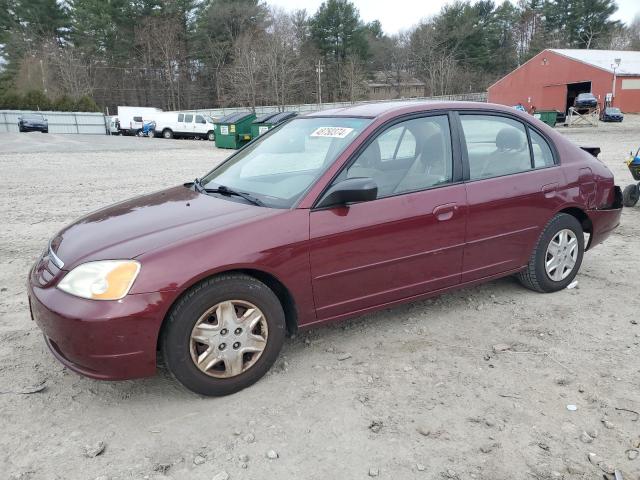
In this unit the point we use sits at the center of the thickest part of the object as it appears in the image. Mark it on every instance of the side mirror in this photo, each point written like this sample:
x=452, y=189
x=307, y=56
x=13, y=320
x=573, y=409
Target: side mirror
x=349, y=191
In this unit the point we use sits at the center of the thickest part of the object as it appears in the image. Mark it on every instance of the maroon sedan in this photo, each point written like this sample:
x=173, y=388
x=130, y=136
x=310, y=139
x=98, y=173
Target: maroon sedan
x=326, y=217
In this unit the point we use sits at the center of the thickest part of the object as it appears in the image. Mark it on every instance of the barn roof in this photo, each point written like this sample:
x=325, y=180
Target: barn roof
x=604, y=59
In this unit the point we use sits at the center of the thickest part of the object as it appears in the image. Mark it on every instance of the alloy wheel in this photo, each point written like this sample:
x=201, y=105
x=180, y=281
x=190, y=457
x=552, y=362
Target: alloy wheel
x=562, y=255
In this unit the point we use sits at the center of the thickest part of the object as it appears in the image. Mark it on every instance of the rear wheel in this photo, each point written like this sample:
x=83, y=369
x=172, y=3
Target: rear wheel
x=557, y=257
x=223, y=335
x=167, y=133
x=630, y=195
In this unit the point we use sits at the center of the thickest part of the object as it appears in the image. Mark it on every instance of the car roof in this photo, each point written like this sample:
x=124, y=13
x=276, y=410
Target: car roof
x=374, y=110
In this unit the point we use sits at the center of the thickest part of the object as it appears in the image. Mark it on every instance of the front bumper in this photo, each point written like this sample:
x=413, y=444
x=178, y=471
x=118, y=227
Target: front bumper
x=105, y=340
x=35, y=128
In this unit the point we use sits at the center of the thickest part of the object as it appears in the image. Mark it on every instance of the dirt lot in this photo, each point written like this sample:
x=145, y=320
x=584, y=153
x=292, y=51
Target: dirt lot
x=422, y=394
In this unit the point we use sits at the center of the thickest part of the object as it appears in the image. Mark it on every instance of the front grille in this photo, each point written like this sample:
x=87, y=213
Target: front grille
x=46, y=271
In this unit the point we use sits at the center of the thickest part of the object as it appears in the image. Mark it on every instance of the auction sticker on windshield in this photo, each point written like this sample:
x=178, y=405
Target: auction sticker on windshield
x=332, y=132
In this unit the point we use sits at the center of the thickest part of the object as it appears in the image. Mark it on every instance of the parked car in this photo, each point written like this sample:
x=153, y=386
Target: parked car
x=33, y=122
x=586, y=100
x=611, y=114
x=184, y=124
x=326, y=217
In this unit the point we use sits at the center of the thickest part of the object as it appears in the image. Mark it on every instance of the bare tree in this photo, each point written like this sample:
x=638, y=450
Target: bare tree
x=160, y=41
x=243, y=78
x=434, y=64
x=281, y=54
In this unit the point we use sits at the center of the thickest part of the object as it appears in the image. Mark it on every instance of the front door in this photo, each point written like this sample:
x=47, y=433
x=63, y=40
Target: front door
x=407, y=242
x=511, y=191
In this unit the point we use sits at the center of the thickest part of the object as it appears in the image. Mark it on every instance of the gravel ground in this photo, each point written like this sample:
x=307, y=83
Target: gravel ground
x=415, y=391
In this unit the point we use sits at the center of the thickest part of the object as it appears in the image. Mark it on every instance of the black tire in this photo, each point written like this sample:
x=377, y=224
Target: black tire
x=630, y=195
x=535, y=276
x=167, y=133
x=211, y=136
x=176, y=332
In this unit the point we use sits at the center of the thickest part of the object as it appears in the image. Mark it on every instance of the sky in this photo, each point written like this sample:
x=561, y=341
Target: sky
x=397, y=15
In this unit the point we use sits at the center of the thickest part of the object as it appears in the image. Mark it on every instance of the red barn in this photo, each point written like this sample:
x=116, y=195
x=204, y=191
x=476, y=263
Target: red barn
x=552, y=79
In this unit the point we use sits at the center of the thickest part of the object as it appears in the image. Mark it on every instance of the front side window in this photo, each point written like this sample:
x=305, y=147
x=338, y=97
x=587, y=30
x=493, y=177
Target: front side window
x=409, y=156
x=280, y=166
x=496, y=146
x=200, y=119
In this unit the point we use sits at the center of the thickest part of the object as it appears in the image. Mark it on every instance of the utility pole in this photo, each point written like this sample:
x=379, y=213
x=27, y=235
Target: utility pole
x=44, y=82
x=319, y=70
x=614, y=65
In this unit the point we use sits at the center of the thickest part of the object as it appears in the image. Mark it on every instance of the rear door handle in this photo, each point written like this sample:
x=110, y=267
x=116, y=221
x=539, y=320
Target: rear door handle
x=445, y=212
x=550, y=190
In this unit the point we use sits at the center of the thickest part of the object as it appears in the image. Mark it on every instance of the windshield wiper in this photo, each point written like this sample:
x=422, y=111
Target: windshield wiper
x=228, y=191
x=197, y=185
x=224, y=190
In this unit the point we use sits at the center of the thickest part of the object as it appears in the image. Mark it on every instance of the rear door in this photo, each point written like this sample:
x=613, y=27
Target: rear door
x=512, y=183
x=409, y=240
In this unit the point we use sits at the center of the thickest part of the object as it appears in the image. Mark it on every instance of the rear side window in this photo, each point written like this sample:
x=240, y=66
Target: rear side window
x=137, y=119
x=496, y=146
x=542, y=155
x=181, y=117
x=188, y=118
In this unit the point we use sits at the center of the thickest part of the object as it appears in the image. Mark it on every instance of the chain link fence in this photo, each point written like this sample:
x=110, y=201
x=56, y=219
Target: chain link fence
x=312, y=107
x=95, y=123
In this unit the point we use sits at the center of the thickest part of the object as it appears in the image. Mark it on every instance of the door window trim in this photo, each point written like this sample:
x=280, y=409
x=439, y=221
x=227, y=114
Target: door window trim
x=456, y=154
x=526, y=125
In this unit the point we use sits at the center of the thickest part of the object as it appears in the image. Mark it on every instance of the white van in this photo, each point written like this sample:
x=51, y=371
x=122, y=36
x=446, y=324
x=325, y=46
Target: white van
x=132, y=119
x=183, y=124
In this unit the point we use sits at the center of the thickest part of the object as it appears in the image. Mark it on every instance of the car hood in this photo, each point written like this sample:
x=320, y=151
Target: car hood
x=133, y=227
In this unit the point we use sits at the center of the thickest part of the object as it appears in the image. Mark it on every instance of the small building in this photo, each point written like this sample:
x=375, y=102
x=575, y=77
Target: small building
x=553, y=79
x=387, y=87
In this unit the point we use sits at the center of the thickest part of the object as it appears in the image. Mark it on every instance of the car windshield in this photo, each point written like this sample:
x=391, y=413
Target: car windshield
x=280, y=166
x=32, y=117
x=613, y=110
x=584, y=96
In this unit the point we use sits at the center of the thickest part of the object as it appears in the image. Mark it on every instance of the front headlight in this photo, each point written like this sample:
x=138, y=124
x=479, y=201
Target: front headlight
x=102, y=280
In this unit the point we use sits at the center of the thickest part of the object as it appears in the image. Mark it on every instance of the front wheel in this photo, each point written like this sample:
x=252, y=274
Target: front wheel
x=557, y=257
x=223, y=335
x=630, y=195
x=211, y=136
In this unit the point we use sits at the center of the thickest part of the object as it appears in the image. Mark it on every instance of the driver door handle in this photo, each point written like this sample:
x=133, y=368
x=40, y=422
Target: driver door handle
x=445, y=212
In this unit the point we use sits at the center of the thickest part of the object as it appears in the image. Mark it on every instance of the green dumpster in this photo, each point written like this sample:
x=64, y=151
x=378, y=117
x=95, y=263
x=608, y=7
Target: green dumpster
x=234, y=130
x=262, y=124
x=550, y=117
